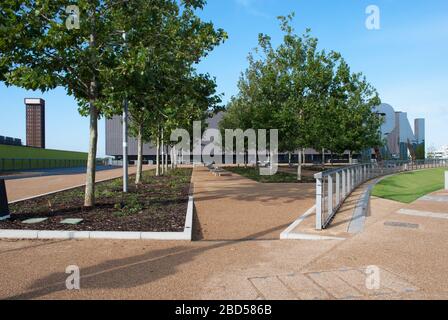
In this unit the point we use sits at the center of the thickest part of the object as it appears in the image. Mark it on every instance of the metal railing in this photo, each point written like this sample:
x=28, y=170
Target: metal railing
x=334, y=186
x=31, y=164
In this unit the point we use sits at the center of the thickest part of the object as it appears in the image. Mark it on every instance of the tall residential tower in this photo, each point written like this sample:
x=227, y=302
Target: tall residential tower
x=35, y=123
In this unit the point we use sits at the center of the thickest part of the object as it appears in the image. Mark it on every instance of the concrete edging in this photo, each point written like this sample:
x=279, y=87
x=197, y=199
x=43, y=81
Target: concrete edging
x=186, y=235
x=288, y=234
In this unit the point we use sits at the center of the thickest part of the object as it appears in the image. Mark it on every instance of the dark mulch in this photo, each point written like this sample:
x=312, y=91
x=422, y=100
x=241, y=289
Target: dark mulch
x=158, y=205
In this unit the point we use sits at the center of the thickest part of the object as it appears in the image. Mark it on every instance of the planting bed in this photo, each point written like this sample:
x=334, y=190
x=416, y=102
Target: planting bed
x=158, y=205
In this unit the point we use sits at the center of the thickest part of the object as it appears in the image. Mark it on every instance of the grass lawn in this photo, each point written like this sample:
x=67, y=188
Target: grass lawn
x=158, y=205
x=410, y=186
x=17, y=152
x=15, y=158
x=280, y=177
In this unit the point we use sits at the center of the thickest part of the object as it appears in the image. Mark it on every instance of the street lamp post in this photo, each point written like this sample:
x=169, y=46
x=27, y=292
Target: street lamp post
x=125, y=145
x=125, y=138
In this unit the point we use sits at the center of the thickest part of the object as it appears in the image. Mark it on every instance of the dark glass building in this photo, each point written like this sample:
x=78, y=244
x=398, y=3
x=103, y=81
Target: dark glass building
x=35, y=123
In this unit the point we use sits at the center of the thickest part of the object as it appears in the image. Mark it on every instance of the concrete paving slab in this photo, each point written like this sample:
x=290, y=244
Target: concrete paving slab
x=334, y=285
x=401, y=225
x=435, y=198
x=427, y=214
x=271, y=288
x=303, y=287
x=72, y=221
x=34, y=220
x=395, y=283
x=357, y=278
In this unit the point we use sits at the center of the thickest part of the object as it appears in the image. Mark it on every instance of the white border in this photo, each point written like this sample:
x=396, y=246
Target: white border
x=288, y=234
x=186, y=235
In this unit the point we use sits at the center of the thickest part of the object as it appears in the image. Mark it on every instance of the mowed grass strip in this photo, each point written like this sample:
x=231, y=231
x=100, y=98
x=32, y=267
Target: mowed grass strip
x=23, y=152
x=410, y=186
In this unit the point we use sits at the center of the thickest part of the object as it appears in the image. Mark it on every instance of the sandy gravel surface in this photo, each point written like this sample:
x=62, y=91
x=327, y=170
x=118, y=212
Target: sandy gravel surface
x=411, y=261
x=236, y=208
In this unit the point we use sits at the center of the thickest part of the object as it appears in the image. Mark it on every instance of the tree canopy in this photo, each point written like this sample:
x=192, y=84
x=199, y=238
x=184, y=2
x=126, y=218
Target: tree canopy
x=97, y=66
x=309, y=95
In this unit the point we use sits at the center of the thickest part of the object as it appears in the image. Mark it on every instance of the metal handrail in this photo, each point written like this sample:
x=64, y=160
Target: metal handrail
x=334, y=186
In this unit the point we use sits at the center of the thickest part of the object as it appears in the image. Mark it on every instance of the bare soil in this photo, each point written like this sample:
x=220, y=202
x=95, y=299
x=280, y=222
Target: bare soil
x=158, y=205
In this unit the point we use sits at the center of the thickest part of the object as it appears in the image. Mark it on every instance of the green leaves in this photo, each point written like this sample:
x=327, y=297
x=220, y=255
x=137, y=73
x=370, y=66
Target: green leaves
x=310, y=96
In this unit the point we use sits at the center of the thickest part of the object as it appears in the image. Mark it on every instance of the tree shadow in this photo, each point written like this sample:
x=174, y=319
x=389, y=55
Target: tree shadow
x=264, y=193
x=129, y=272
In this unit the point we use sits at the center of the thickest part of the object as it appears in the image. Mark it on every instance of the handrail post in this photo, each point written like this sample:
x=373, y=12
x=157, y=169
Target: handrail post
x=338, y=188
x=319, y=202
x=352, y=180
x=330, y=196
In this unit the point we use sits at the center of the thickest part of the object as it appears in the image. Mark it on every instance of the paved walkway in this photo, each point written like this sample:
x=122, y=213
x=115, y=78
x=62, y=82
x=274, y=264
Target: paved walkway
x=237, y=208
x=18, y=189
x=409, y=252
x=50, y=172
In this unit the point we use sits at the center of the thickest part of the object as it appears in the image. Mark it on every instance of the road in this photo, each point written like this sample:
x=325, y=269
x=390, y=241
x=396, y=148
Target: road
x=23, y=188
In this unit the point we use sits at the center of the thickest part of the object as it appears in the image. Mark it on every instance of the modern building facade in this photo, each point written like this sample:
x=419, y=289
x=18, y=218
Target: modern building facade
x=114, y=145
x=114, y=142
x=401, y=141
x=35, y=123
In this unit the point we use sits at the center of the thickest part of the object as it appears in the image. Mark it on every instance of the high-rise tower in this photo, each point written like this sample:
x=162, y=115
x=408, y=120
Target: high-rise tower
x=35, y=123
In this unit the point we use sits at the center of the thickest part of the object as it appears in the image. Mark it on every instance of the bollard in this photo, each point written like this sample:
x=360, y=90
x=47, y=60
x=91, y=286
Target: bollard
x=446, y=180
x=4, y=209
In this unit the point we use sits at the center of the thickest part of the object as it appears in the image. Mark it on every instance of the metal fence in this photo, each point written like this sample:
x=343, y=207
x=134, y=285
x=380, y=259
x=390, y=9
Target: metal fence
x=31, y=164
x=334, y=186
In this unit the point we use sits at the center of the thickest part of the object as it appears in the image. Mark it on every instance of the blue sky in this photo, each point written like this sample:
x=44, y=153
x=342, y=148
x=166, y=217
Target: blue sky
x=406, y=60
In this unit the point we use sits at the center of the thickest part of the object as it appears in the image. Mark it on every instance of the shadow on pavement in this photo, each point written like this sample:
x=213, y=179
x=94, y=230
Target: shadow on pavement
x=129, y=272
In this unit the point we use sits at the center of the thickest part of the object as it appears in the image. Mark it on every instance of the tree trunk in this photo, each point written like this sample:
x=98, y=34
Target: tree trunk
x=323, y=157
x=299, y=166
x=158, y=154
x=89, y=199
x=166, y=158
x=350, y=158
x=163, y=155
x=138, y=178
x=289, y=160
x=175, y=157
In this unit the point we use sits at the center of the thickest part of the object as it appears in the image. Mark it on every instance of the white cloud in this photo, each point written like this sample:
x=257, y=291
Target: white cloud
x=250, y=7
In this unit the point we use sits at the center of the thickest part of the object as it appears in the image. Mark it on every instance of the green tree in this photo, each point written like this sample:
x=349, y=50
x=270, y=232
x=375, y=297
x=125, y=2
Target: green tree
x=48, y=55
x=309, y=95
x=158, y=64
x=38, y=52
